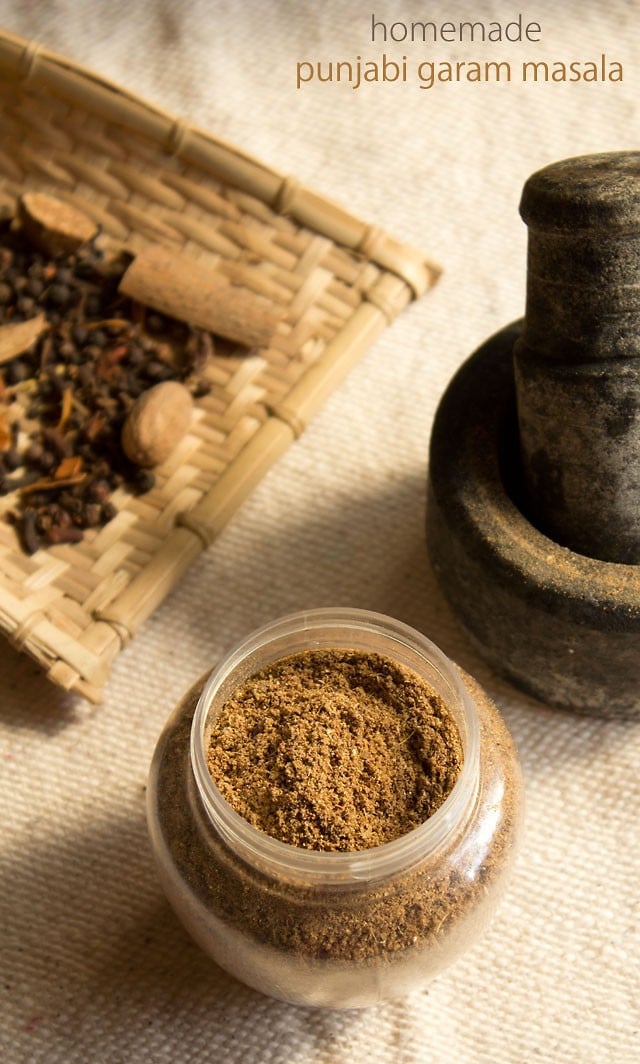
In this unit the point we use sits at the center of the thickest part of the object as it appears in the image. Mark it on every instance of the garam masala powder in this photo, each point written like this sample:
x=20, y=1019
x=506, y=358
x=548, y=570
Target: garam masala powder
x=335, y=749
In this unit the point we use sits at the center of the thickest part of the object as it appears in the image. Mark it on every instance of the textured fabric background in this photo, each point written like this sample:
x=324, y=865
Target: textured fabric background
x=94, y=965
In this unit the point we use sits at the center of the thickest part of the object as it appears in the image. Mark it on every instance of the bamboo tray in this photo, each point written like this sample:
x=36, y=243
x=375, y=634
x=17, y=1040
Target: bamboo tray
x=150, y=178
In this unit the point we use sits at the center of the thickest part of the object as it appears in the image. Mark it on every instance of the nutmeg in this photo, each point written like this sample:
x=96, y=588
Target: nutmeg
x=156, y=423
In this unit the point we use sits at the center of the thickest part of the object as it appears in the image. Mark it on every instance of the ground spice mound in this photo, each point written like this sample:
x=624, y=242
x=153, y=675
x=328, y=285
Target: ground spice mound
x=335, y=750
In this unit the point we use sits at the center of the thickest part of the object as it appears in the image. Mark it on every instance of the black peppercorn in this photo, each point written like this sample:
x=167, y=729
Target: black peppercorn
x=16, y=371
x=58, y=295
x=11, y=459
x=35, y=287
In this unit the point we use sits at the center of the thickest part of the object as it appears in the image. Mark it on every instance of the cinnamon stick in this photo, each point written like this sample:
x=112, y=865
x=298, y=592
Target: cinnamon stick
x=199, y=295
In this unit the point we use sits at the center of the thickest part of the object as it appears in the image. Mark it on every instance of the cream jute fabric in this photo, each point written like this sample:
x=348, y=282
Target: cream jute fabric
x=94, y=965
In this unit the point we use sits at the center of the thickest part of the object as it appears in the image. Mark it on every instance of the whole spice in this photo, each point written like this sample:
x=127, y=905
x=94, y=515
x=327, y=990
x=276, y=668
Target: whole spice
x=75, y=356
x=54, y=227
x=335, y=750
x=19, y=336
x=156, y=423
x=200, y=295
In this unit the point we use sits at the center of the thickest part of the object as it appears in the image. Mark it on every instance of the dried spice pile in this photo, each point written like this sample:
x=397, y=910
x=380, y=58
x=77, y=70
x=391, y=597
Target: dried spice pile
x=335, y=750
x=65, y=395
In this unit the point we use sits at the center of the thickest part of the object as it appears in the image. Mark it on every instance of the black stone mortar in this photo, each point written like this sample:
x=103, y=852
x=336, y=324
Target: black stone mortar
x=533, y=521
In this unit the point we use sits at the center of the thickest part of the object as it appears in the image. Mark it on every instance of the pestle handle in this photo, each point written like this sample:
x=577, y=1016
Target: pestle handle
x=577, y=361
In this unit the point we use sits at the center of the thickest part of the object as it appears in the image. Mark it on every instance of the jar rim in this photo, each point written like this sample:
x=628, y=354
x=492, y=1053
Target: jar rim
x=324, y=866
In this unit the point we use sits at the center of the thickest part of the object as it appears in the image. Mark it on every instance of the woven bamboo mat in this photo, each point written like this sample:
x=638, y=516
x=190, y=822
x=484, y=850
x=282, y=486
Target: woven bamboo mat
x=149, y=178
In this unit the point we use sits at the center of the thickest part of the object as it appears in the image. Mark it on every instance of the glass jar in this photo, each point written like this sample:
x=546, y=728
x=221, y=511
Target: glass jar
x=334, y=928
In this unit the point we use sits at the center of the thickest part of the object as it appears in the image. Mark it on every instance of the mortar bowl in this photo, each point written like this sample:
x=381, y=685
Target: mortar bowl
x=561, y=626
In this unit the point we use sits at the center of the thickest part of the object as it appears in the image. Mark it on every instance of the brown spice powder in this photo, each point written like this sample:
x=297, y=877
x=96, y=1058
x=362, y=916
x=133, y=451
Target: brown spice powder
x=335, y=750
x=369, y=923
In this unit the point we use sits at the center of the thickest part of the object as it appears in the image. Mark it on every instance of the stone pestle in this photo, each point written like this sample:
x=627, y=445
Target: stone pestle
x=577, y=361
x=533, y=516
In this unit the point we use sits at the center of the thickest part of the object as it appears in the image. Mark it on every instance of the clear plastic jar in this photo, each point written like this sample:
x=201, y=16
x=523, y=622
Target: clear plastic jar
x=333, y=928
